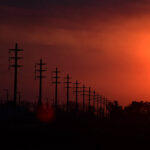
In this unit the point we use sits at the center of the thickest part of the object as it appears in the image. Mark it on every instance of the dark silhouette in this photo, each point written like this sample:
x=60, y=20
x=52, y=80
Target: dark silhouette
x=89, y=99
x=16, y=65
x=94, y=99
x=76, y=92
x=116, y=111
x=56, y=82
x=39, y=69
x=137, y=111
x=68, y=88
x=97, y=106
x=83, y=93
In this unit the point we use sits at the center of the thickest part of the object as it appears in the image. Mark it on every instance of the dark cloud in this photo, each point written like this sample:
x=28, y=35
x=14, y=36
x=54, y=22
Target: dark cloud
x=73, y=13
x=71, y=2
x=101, y=4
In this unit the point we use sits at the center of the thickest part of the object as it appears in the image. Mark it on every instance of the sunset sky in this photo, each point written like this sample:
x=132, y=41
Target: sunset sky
x=102, y=43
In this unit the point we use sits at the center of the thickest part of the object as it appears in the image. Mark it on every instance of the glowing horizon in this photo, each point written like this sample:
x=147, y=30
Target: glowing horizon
x=102, y=44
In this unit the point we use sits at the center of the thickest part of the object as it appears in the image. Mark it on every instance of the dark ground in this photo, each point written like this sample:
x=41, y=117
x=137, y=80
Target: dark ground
x=69, y=132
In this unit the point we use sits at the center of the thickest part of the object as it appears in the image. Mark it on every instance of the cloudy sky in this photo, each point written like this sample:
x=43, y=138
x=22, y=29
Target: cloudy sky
x=102, y=43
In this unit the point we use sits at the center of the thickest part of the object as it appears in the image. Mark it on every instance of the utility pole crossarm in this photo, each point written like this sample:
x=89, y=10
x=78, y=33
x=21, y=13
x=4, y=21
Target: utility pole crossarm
x=68, y=87
x=16, y=48
x=56, y=82
x=94, y=98
x=15, y=65
x=89, y=97
x=83, y=93
x=76, y=92
x=39, y=70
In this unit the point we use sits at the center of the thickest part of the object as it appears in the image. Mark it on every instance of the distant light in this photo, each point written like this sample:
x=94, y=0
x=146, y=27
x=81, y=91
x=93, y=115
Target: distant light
x=45, y=114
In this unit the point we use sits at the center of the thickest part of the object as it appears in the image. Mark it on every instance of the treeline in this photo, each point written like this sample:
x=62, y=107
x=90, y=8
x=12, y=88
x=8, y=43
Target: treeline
x=136, y=111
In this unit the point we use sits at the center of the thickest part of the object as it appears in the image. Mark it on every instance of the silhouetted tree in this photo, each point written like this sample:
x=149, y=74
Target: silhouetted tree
x=116, y=111
x=138, y=111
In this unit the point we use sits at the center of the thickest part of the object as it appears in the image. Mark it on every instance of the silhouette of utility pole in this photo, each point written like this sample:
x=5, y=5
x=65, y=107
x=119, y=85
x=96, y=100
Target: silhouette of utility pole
x=94, y=98
x=106, y=107
x=97, y=96
x=16, y=65
x=83, y=95
x=56, y=82
x=108, y=110
x=7, y=95
x=39, y=69
x=104, y=104
x=68, y=88
x=101, y=106
x=89, y=95
x=76, y=92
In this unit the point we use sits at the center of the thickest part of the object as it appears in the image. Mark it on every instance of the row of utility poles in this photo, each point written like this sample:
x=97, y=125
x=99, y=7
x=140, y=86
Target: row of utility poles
x=40, y=68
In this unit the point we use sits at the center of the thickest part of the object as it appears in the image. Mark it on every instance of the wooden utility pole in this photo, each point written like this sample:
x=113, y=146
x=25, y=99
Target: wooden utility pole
x=15, y=65
x=97, y=97
x=89, y=95
x=104, y=106
x=56, y=82
x=67, y=82
x=39, y=74
x=83, y=95
x=76, y=92
x=101, y=106
x=94, y=99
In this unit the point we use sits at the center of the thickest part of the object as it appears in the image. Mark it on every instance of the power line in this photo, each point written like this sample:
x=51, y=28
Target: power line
x=39, y=69
x=94, y=98
x=56, y=82
x=15, y=65
x=83, y=95
x=76, y=92
x=68, y=88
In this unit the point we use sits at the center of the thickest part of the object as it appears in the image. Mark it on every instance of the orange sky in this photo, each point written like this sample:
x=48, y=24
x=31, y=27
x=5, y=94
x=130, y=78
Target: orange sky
x=105, y=46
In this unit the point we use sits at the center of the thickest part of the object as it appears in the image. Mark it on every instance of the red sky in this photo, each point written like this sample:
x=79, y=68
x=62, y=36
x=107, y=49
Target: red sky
x=104, y=44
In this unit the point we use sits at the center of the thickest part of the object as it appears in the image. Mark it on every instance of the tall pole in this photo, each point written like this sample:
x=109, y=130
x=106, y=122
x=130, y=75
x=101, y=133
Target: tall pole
x=76, y=93
x=16, y=65
x=39, y=69
x=101, y=107
x=107, y=108
x=40, y=87
x=56, y=82
x=89, y=98
x=83, y=96
x=97, y=106
x=68, y=88
x=94, y=98
x=104, y=107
